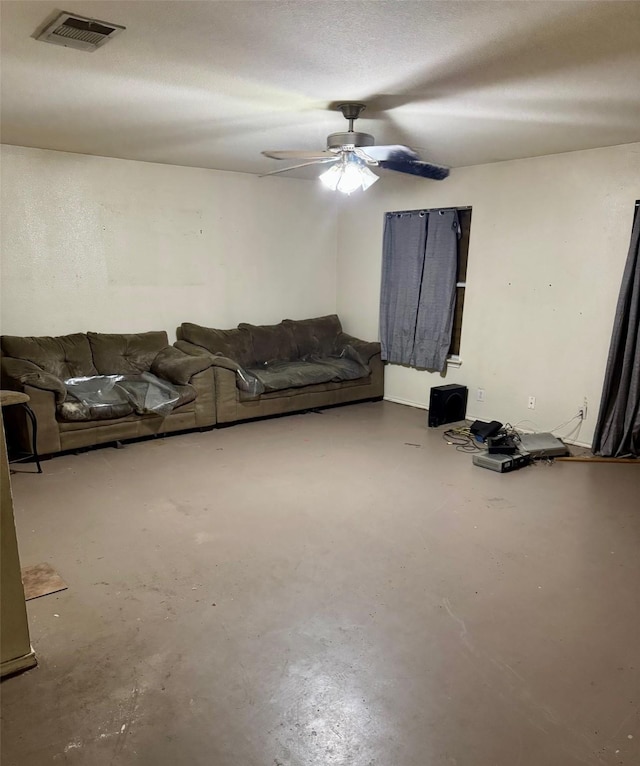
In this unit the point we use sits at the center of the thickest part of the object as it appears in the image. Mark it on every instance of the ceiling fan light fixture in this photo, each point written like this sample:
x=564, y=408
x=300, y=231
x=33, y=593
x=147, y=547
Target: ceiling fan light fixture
x=352, y=152
x=348, y=176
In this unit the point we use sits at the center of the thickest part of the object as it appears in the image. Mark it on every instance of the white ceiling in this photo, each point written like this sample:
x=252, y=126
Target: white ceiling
x=211, y=84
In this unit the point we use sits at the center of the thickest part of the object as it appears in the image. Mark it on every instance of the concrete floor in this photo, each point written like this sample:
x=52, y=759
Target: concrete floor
x=315, y=590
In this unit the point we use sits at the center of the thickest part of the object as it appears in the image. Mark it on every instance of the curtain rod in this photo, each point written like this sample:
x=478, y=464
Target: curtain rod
x=433, y=209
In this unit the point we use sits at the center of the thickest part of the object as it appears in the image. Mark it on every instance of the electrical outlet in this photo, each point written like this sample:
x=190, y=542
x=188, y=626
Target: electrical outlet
x=582, y=412
x=532, y=403
x=480, y=395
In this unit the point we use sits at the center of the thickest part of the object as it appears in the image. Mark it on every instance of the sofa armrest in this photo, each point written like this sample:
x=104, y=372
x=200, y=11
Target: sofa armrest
x=228, y=364
x=215, y=360
x=178, y=367
x=205, y=403
x=192, y=350
x=366, y=349
x=43, y=404
x=18, y=373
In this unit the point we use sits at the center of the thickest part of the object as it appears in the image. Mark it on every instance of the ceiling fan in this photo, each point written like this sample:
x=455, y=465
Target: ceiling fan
x=351, y=153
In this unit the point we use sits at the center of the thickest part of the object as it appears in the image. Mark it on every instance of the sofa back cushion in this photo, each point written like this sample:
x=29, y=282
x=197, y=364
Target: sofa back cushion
x=271, y=342
x=65, y=356
x=234, y=344
x=126, y=354
x=315, y=336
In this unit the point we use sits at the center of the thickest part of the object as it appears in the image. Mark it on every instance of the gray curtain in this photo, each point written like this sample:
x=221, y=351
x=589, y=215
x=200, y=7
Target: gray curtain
x=417, y=299
x=403, y=247
x=618, y=427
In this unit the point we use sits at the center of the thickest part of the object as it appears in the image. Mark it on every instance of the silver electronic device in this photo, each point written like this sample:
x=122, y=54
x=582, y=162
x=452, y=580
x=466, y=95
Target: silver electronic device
x=542, y=445
x=501, y=463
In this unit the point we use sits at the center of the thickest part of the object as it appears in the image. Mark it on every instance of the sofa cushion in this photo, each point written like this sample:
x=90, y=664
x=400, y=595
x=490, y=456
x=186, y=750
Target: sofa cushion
x=65, y=356
x=233, y=344
x=121, y=400
x=315, y=336
x=271, y=343
x=187, y=395
x=283, y=375
x=126, y=354
x=73, y=411
x=318, y=388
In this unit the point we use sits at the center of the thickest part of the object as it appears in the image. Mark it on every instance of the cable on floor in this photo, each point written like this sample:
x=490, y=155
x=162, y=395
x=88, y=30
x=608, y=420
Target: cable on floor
x=462, y=439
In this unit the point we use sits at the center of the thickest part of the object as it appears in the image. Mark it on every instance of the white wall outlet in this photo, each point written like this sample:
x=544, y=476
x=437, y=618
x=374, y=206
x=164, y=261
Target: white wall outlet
x=532, y=403
x=582, y=412
x=480, y=395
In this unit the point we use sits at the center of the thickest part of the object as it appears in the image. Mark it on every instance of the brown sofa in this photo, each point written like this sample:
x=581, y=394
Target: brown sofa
x=302, y=365
x=39, y=365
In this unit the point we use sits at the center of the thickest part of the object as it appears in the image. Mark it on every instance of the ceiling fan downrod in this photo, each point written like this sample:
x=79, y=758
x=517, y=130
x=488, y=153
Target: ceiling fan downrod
x=350, y=111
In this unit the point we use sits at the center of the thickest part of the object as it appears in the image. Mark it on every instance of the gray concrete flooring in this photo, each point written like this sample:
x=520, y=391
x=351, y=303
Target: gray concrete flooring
x=314, y=590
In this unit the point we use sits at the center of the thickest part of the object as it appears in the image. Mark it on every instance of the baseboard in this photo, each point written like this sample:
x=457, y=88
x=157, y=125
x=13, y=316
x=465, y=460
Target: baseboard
x=406, y=402
x=18, y=664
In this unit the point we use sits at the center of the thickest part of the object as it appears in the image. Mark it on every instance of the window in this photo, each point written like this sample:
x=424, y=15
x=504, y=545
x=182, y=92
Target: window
x=464, y=218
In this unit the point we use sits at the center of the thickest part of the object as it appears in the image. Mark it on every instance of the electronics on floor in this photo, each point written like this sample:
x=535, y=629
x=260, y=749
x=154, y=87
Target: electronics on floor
x=501, y=463
x=482, y=431
x=543, y=445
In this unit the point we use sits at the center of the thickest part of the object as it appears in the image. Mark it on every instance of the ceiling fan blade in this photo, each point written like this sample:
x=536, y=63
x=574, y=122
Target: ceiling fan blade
x=393, y=151
x=302, y=165
x=415, y=168
x=294, y=154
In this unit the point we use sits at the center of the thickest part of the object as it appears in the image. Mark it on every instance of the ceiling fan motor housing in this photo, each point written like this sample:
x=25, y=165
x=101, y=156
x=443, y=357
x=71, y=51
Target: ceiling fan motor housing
x=350, y=138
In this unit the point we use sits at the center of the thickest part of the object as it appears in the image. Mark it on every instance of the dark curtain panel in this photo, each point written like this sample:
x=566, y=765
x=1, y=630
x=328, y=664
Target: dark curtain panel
x=618, y=428
x=417, y=299
x=437, y=301
x=403, y=247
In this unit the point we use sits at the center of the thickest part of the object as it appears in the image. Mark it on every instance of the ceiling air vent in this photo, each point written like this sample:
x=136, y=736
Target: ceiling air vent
x=78, y=32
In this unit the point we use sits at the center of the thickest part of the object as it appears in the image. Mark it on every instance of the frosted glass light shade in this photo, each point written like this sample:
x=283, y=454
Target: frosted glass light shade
x=347, y=176
x=331, y=177
x=350, y=178
x=367, y=178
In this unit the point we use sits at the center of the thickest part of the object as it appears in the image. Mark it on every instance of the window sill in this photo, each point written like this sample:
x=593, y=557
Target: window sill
x=454, y=361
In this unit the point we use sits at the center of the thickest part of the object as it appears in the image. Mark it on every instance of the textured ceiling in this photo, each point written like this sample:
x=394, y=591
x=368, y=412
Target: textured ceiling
x=211, y=84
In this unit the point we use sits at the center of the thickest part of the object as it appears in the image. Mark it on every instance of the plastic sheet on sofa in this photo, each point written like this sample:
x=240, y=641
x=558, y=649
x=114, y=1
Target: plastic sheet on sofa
x=147, y=394
x=311, y=370
x=248, y=382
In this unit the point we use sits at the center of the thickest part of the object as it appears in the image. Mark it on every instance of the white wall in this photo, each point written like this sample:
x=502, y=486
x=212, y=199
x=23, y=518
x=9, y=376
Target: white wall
x=92, y=243
x=549, y=238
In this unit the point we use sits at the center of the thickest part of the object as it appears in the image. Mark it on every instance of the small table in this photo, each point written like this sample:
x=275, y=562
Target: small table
x=10, y=398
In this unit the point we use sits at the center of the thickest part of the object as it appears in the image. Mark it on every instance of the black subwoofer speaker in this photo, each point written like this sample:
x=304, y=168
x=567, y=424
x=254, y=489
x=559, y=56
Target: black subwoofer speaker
x=447, y=404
